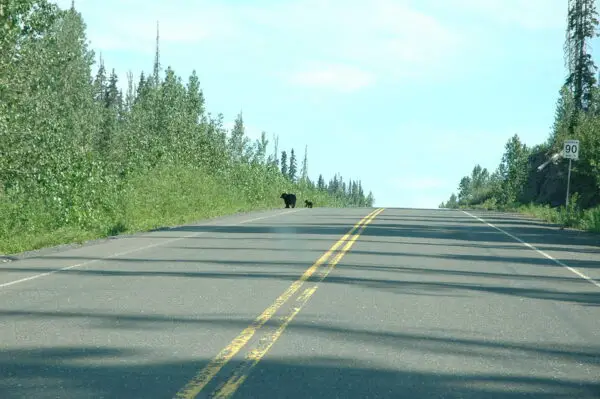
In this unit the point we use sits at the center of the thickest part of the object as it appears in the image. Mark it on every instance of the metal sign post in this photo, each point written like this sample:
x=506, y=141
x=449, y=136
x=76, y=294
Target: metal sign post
x=571, y=152
x=568, y=184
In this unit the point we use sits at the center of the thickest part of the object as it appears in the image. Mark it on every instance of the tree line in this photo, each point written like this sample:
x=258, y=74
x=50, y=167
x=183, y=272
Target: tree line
x=517, y=183
x=80, y=158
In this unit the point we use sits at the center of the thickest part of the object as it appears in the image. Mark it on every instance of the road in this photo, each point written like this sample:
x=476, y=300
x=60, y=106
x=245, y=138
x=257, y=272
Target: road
x=409, y=304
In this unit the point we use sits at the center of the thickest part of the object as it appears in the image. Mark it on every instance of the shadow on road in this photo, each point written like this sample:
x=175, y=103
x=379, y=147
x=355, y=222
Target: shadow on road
x=446, y=228
x=533, y=260
x=443, y=343
x=394, y=284
x=111, y=372
x=114, y=372
x=403, y=257
x=498, y=219
x=453, y=229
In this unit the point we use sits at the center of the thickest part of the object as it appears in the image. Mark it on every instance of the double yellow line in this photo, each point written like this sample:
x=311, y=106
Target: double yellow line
x=193, y=388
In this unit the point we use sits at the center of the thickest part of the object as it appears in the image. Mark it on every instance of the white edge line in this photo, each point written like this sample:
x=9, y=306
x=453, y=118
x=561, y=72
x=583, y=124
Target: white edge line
x=558, y=262
x=62, y=269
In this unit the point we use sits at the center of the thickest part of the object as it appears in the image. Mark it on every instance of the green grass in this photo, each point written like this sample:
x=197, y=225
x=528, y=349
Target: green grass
x=167, y=196
x=587, y=220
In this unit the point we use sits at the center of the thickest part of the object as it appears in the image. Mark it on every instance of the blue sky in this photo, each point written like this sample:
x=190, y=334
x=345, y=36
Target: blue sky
x=406, y=95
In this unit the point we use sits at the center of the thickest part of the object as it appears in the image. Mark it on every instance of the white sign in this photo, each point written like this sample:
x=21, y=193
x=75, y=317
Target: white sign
x=571, y=150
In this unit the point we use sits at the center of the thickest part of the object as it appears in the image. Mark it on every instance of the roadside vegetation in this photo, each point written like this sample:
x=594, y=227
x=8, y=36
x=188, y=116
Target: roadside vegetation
x=517, y=185
x=80, y=159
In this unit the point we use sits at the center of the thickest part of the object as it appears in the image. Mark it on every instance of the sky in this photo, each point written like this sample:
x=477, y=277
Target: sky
x=405, y=95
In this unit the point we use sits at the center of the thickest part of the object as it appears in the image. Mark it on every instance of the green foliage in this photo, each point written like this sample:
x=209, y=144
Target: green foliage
x=513, y=171
x=517, y=184
x=78, y=159
x=321, y=183
x=284, y=164
x=452, y=203
x=304, y=171
x=574, y=216
x=292, y=170
x=582, y=22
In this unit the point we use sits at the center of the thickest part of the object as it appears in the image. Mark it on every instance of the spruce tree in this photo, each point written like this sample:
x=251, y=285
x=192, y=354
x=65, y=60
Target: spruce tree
x=292, y=170
x=582, y=23
x=304, y=172
x=284, y=166
x=321, y=183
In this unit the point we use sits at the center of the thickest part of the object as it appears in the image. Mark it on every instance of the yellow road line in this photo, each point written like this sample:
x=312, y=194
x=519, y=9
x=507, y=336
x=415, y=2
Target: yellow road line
x=255, y=355
x=192, y=388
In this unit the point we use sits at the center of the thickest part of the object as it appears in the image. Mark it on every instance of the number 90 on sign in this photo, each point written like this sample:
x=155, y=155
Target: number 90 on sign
x=571, y=150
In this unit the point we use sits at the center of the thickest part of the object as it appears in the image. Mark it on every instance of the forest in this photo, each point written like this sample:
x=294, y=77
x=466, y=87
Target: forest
x=82, y=159
x=517, y=184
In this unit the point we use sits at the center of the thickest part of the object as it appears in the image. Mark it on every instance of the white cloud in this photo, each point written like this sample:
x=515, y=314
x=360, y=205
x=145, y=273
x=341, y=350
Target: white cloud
x=131, y=25
x=138, y=35
x=381, y=37
x=342, y=78
x=360, y=42
x=528, y=14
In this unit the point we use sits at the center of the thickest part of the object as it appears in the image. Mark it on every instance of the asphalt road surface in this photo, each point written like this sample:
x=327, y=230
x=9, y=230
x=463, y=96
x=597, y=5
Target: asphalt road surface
x=310, y=303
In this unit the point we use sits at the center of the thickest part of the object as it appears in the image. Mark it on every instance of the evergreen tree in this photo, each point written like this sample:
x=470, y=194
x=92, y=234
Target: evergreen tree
x=77, y=150
x=100, y=87
x=275, y=156
x=284, y=166
x=130, y=94
x=334, y=185
x=321, y=183
x=355, y=193
x=563, y=117
x=157, y=67
x=304, y=172
x=292, y=170
x=109, y=99
x=370, y=200
x=582, y=23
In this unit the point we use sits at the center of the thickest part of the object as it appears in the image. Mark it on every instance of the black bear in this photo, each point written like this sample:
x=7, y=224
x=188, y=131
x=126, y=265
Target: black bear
x=308, y=203
x=289, y=199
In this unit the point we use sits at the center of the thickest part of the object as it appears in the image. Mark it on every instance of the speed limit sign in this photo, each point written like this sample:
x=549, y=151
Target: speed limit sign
x=571, y=149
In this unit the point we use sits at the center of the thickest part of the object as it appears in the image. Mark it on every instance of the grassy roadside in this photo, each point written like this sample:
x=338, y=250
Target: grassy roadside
x=168, y=196
x=586, y=220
